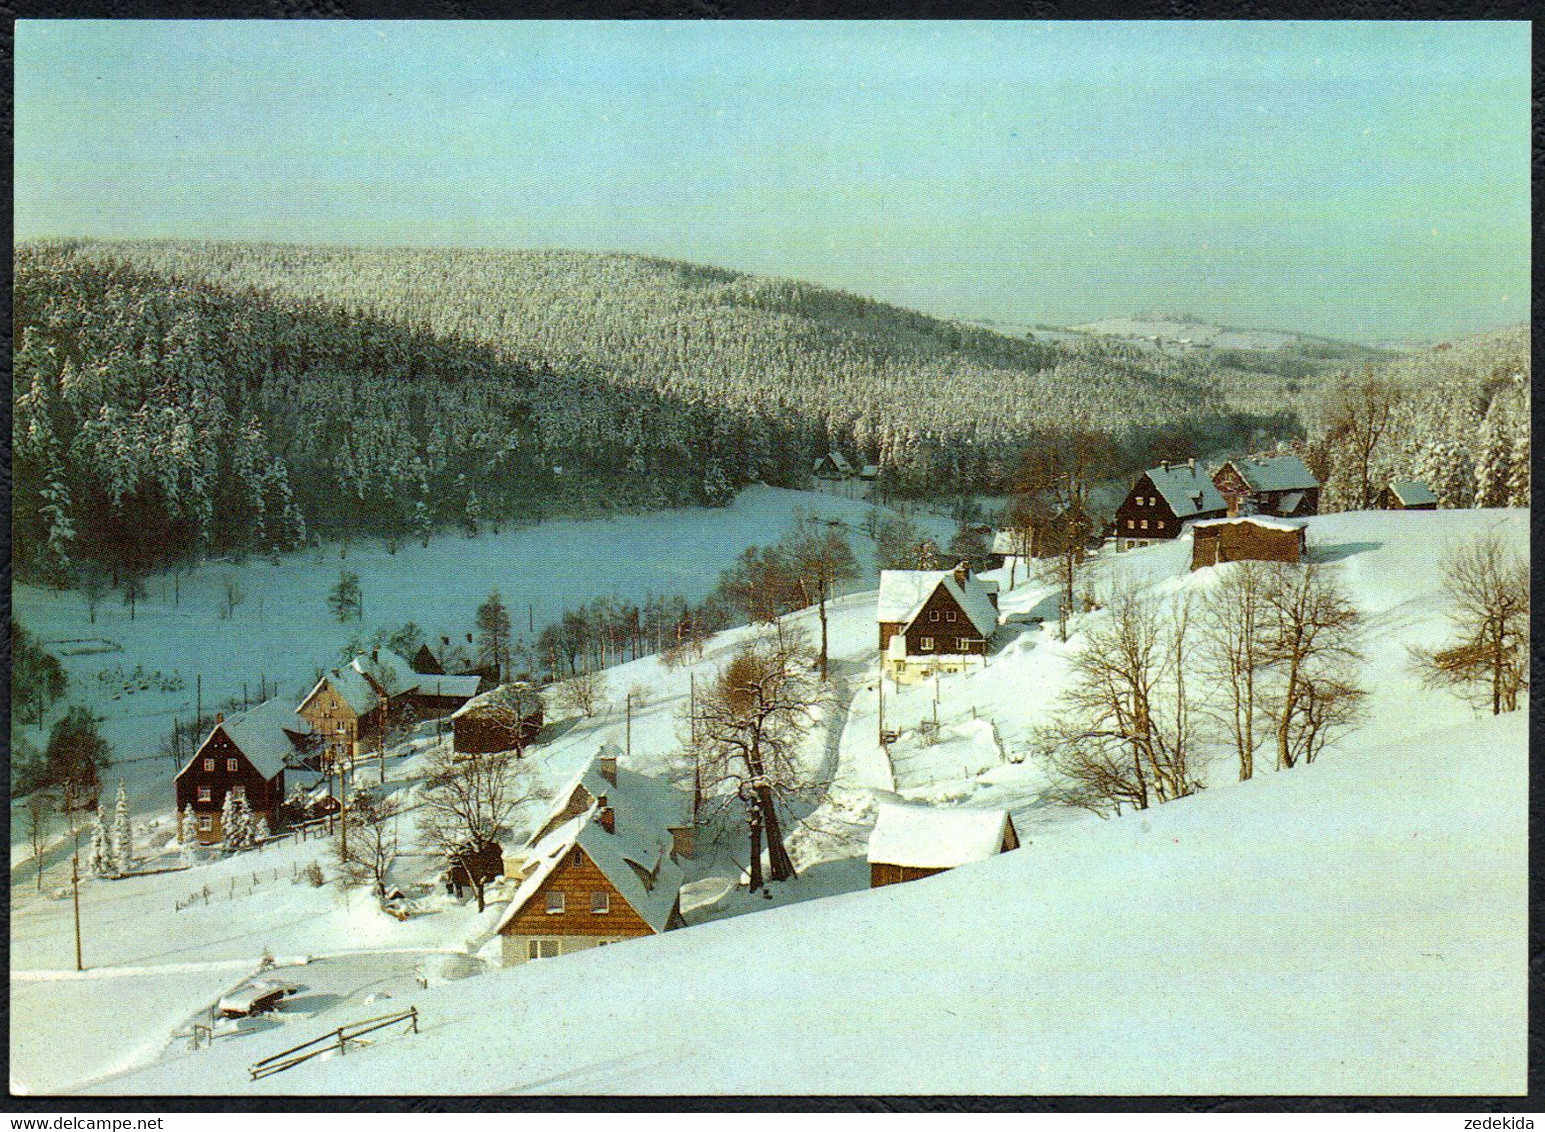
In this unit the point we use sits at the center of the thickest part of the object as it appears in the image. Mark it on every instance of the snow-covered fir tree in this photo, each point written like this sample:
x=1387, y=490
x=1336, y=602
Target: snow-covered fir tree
x=187, y=835
x=99, y=856
x=122, y=844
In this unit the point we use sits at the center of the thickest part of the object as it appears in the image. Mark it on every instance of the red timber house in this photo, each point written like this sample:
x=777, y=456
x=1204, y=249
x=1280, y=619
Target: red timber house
x=934, y=620
x=1163, y=501
x=247, y=754
x=602, y=868
x=351, y=707
x=1268, y=485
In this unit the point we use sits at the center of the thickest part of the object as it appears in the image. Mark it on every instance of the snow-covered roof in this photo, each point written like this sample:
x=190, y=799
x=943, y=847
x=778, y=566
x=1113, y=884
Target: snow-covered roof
x=839, y=461
x=460, y=687
x=935, y=837
x=1187, y=488
x=1412, y=492
x=903, y=594
x=1255, y=520
x=1291, y=500
x=869, y=471
x=388, y=670
x=644, y=810
x=352, y=688
x=1275, y=473
x=492, y=696
x=262, y=734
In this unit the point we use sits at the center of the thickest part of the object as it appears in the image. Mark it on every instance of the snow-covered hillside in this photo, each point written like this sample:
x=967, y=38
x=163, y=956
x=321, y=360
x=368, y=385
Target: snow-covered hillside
x=1354, y=926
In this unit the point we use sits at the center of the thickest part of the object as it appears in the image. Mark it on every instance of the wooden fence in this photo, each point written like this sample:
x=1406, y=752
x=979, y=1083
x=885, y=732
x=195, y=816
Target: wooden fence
x=338, y=1039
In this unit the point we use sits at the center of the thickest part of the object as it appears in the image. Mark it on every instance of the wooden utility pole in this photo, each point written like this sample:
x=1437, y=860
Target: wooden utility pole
x=75, y=891
x=627, y=745
x=882, y=703
x=198, y=718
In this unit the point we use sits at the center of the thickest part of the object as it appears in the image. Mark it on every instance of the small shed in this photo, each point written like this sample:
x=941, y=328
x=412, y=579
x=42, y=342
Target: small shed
x=1246, y=538
x=911, y=842
x=1408, y=495
x=833, y=466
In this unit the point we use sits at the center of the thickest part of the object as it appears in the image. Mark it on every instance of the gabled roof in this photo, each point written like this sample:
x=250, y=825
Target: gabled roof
x=1187, y=488
x=1412, y=492
x=388, y=671
x=839, y=461
x=263, y=734
x=492, y=696
x=935, y=837
x=903, y=593
x=352, y=688
x=457, y=687
x=644, y=811
x=1274, y=473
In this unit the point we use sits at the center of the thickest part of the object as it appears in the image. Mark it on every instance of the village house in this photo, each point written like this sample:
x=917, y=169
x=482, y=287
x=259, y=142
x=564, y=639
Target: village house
x=832, y=466
x=1246, y=538
x=246, y=755
x=501, y=719
x=934, y=620
x=602, y=868
x=1268, y=485
x=1408, y=495
x=910, y=842
x=351, y=707
x=1163, y=501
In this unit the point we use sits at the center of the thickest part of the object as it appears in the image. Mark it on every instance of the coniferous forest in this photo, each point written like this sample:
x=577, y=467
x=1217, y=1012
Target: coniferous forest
x=176, y=399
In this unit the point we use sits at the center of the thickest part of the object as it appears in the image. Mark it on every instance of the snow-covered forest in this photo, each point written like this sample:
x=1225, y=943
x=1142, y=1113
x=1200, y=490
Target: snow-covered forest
x=177, y=398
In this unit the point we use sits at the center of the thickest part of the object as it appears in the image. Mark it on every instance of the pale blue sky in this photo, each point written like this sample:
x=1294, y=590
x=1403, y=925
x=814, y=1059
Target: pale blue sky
x=1369, y=180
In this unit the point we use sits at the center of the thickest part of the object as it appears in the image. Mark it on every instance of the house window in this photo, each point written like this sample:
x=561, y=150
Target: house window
x=933, y=615
x=342, y=727
x=1131, y=523
x=1145, y=524
x=209, y=764
x=203, y=794
x=1152, y=501
x=205, y=823
x=239, y=793
x=926, y=644
x=543, y=949
x=579, y=856
x=600, y=903
x=230, y=765
x=555, y=904
x=950, y=616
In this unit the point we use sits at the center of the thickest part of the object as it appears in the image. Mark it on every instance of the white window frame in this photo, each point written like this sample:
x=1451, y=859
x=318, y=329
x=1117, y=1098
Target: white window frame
x=231, y=766
x=204, y=794
x=536, y=947
x=206, y=823
x=600, y=902
x=209, y=764
x=557, y=903
x=1131, y=524
x=1145, y=525
x=949, y=615
x=926, y=644
x=933, y=615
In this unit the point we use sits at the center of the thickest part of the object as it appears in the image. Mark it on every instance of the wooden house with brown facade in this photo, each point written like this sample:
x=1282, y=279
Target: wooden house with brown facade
x=934, y=620
x=602, y=868
x=1279, y=485
x=1247, y=538
x=351, y=707
x=247, y=754
x=1162, y=501
x=911, y=842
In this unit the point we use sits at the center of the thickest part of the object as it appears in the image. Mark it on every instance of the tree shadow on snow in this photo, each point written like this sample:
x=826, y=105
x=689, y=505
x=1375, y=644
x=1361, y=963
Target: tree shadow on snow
x=1340, y=550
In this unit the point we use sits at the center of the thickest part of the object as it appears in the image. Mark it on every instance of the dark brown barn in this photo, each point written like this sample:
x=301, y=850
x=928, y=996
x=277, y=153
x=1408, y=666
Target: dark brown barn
x=248, y=752
x=1163, y=501
x=934, y=617
x=1408, y=495
x=1248, y=538
x=426, y=662
x=508, y=718
x=912, y=842
x=1268, y=485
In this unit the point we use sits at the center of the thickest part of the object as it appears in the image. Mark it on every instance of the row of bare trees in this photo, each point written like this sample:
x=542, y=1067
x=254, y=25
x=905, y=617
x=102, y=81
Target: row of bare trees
x=1273, y=650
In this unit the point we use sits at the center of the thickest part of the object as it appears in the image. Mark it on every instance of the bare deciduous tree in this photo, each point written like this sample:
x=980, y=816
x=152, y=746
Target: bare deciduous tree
x=1488, y=585
x=1233, y=653
x=820, y=559
x=468, y=800
x=1311, y=641
x=40, y=806
x=1124, y=735
x=583, y=692
x=1358, y=412
x=747, y=725
x=372, y=845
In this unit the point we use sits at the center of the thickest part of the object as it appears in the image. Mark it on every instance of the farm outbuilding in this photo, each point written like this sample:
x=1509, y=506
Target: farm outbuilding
x=911, y=842
x=1247, y=538
x=1408, y=495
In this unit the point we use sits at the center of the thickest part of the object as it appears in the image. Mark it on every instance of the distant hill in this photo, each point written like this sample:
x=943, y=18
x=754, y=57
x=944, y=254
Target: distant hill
x=228, y=395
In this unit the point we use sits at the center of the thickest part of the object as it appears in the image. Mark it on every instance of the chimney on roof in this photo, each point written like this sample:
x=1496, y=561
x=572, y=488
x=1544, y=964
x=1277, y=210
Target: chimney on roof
x=1164, y=465
x=219, y=717
x=606, y=763
x=1191, y=463
x=375, y=656
x=606, y=818
x=962, y=572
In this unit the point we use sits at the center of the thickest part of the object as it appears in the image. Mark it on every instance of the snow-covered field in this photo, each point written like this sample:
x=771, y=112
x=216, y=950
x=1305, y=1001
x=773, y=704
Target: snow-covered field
x=282, y=632
x=1354, y=926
